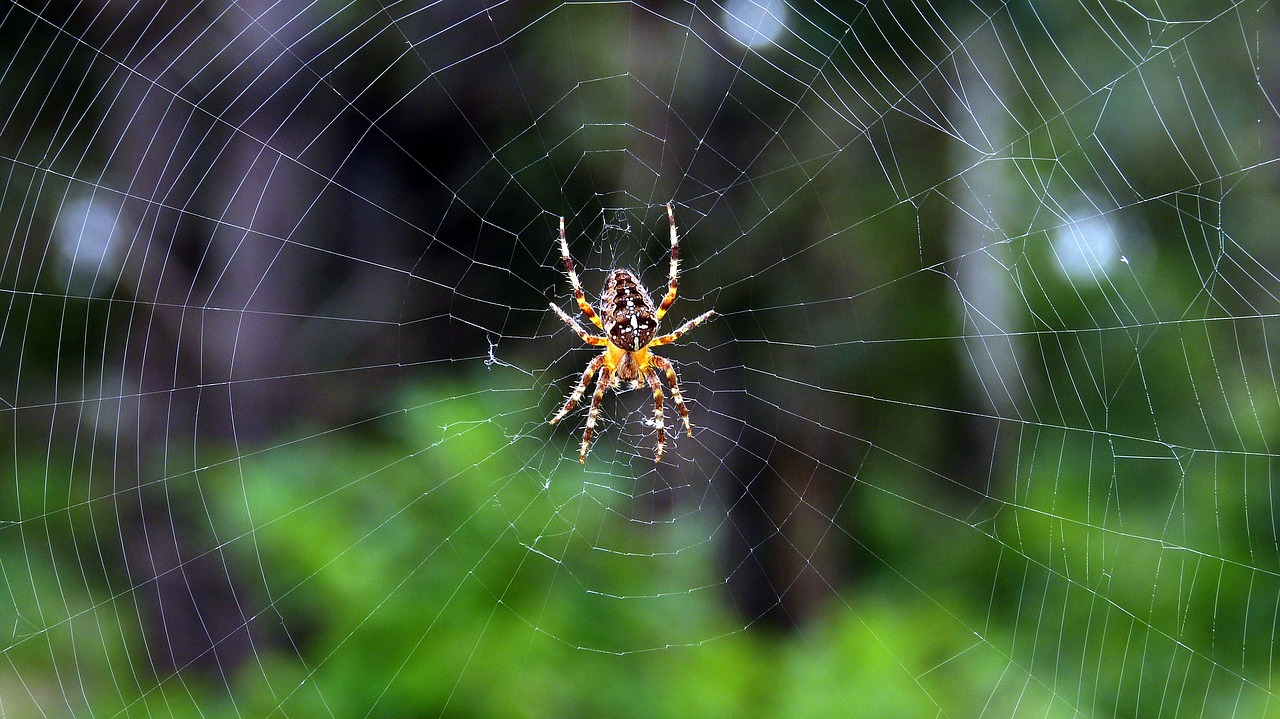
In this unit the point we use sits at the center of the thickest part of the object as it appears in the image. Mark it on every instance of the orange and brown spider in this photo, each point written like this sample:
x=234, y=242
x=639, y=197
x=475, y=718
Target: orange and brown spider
x=629, y=321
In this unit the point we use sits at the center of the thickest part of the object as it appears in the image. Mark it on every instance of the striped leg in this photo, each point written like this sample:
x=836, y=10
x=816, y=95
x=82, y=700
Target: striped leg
x=586, y=336
x=675, y=266
x=669, y=338
x=664, y=364
x=658, y=419
x=592, y=366
x=602, y=383
x=573, y=280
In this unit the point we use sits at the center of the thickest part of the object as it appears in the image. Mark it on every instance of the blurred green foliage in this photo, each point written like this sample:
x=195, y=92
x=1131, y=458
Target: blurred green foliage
x=399, y=576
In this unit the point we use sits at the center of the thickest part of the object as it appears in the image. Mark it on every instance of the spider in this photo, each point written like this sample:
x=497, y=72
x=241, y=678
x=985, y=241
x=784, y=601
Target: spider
x=629, y=321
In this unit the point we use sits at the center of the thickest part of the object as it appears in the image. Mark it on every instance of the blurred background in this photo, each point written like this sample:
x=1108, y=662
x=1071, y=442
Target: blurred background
x=983, y=424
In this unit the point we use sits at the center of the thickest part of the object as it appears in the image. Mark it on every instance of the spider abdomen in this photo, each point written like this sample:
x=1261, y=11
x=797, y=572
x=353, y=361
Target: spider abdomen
x=629, y=317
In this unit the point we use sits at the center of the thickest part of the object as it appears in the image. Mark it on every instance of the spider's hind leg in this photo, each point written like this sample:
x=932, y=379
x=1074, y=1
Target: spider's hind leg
x=578, y=294
x=674, y=280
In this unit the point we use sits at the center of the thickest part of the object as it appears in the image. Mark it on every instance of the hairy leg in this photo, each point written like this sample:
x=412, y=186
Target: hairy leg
x=665, y=365
x=674, y=280
x=672, y=337
x=658, y=418
x=573, y=280
x=602, y=383
x=592, y=366
x=586, y=336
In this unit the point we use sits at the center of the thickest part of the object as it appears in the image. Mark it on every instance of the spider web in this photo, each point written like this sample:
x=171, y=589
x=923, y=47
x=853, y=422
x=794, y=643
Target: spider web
x=982, y=424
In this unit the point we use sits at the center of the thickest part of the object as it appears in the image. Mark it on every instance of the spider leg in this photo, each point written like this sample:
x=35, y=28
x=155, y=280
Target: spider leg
x=672, y=337
x=658, y=419
x=664, y=364
x=587, y=337
x=675, y=266
x=602, y=383
x=573, y=280
x=592, y=366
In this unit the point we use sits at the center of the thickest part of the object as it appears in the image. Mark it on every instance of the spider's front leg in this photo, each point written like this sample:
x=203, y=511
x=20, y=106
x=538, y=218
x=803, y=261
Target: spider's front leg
x=606, y=377
x=592, y=366
x=658, y=419
x=664, y=364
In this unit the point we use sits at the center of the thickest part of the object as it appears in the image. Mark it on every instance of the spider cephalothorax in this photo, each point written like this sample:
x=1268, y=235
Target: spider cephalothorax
x=630, y=321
